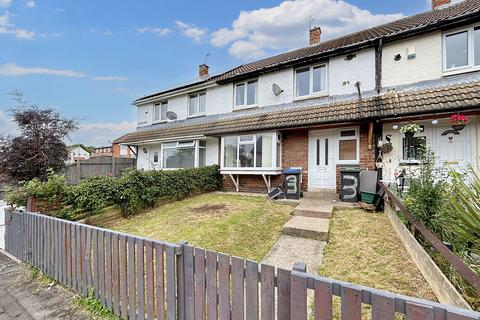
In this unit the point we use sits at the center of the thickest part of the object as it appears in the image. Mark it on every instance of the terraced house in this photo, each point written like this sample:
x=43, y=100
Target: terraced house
x=328, y=105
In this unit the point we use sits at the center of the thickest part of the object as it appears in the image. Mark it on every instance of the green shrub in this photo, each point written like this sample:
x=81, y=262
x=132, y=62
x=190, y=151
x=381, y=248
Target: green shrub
x=50, y=193
x=92, y=195
x=426, y=196
x=137, y=190
x=464, y=213
x=132, y=192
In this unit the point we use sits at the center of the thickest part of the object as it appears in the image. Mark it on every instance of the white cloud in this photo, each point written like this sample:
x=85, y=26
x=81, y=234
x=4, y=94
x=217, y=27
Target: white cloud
x=30, y=3
x=12, y=69
x=110, y=78
x=258, y=32
x=101, y=133
x=107, y=32
x=191, y=31
x=5, y=3
x=6, y=27
x=159, y=32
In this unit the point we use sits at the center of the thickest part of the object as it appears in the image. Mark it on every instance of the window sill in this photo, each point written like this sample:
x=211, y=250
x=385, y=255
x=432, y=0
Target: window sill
x=462, y=70
x=196, y=116
x=241, y=108
x=252, y=171
x=410, y=162
x=159, y=121
x=344, y=162
x=311, y=96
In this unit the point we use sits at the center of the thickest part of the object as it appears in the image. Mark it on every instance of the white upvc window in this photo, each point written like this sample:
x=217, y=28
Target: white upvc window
x=160, y=111
x=183, y=154
x=461, y=50
x=245, y=94
x=258, y=150
x=196, y=104
x=310, y=81
x=348, y=146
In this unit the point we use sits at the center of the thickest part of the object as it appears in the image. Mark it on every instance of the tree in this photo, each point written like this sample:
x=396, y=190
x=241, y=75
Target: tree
x=39, y=146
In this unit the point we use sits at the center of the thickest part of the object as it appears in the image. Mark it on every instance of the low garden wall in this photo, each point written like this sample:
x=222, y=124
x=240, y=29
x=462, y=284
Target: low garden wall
x=441, y=286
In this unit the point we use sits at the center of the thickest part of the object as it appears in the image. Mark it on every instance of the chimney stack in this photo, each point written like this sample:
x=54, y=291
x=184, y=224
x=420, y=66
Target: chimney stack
x=203, y=71
x=438, y=4
x=315, y=33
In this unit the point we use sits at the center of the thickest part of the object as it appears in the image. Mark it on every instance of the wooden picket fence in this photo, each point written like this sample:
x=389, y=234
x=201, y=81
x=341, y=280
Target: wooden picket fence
x=139, y=278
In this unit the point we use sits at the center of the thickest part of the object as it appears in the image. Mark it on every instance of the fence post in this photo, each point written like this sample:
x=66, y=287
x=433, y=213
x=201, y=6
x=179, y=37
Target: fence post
x=299, y=267
x=79, y=171
x=113, y=166
x=298, y=292
x=181, y=280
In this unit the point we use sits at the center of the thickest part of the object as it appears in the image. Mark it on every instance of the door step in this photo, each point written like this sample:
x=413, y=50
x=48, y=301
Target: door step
x=314, y=208
x=307, y=227
x=321, y=195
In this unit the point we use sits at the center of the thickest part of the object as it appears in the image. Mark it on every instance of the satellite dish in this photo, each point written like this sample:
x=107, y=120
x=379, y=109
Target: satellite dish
x=276, y=89
x=171, y=115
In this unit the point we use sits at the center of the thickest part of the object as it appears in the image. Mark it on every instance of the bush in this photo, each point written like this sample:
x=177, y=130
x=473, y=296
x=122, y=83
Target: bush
x=137, y=190
x=92, y=195
x=132, y=192
x=50, y=193
x=426, y=197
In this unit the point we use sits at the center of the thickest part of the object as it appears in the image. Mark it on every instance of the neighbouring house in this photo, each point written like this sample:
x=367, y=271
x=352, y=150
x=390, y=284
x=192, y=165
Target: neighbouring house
x=121, y=150
x=77, y=153
x=328, y=105
x=105, y=151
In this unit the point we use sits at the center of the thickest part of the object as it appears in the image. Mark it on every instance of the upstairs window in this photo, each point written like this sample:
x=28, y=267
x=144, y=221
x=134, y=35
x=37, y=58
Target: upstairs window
x=196, y=105
x=311, y=80
x=462, y=49
x=246, y=94
x=160, y=111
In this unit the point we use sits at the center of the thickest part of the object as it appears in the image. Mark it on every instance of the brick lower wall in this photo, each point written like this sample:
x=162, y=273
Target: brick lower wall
x=295, y=154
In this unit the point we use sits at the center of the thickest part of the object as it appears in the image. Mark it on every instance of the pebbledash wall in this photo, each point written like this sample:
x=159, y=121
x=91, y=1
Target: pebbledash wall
x=295, y=154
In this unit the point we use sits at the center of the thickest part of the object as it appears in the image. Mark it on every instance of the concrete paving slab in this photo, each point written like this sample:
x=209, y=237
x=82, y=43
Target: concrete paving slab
x=307, y=227
x=288, y=250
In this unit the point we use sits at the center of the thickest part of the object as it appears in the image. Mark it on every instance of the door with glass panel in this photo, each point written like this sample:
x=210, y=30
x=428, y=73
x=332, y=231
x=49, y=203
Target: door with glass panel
x=321, y=161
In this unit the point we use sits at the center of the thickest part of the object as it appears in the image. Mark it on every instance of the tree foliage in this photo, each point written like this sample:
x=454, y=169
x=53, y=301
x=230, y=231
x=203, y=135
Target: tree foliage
x=40, y=144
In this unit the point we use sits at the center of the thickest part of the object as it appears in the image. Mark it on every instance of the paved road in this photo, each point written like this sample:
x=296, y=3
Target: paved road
x=22, y=298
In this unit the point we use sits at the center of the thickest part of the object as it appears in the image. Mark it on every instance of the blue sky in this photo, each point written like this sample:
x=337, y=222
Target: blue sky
x=90, y=59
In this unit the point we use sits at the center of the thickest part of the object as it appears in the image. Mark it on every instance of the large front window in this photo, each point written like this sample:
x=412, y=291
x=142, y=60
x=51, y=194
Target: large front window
x=196, y=105
x=259, y=150
x=311, y=80
x=462, y=49
x=183, y=154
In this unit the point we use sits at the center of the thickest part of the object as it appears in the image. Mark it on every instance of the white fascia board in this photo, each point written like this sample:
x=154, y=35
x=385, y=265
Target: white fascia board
x=172, y=94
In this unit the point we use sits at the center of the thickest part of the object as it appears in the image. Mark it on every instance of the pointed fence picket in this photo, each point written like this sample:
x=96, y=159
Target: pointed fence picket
x=139, y=278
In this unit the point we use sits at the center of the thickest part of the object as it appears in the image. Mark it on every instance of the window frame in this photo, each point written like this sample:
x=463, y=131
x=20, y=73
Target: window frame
x=275, y=140
x=160, y=104
x=195, y=144
x=197, y=113
x=470, y=47
x=340, y=138
x=245, y=104
x=310, y=82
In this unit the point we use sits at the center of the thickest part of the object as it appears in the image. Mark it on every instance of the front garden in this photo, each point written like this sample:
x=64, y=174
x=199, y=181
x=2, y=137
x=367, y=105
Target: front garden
x=238, y=225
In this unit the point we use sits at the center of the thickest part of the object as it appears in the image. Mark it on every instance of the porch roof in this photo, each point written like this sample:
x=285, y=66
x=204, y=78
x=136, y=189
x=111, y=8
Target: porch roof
x=391, y=103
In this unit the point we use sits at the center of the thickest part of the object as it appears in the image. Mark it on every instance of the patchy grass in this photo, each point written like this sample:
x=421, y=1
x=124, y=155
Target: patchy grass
x=365, y=249
x=94, y=307
x=238, y=225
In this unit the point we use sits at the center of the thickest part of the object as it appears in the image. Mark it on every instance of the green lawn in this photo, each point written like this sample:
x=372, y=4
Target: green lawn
x=242, y=226
x=365, y=249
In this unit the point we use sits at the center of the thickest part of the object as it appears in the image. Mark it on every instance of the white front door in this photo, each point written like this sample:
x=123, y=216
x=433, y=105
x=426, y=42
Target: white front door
x=321, y=161
x=452, y=149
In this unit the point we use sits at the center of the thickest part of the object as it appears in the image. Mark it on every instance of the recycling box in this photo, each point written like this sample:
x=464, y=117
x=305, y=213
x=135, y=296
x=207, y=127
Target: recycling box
x=292, y=183
x=350, y=183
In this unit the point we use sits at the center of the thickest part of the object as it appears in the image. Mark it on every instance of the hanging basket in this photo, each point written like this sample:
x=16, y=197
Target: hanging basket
x=458, y=127
x=387, y=147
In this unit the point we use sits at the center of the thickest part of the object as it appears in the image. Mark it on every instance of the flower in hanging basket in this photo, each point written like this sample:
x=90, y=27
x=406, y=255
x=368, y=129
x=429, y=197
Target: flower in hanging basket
x=458, y=119
x=411, y=128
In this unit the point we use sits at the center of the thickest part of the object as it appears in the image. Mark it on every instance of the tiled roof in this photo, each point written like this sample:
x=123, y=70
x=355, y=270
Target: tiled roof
x=457, y=96
x=405, y=26
x=402, y=26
